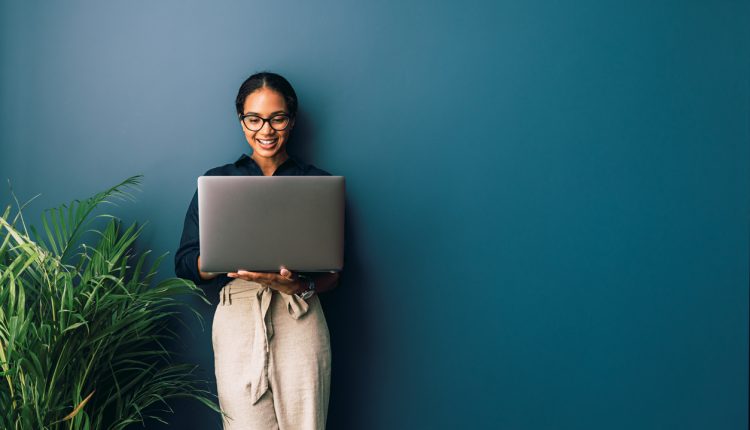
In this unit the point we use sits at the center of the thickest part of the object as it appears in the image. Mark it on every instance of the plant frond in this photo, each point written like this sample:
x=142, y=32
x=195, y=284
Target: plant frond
x=88, y=316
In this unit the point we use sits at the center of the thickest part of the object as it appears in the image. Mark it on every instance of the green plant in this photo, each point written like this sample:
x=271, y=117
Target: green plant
x=83, y=326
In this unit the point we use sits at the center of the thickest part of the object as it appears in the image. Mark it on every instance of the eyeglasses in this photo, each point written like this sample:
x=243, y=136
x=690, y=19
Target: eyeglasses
x=254, y=122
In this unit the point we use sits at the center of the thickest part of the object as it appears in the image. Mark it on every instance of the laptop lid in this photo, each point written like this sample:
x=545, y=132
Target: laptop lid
x=260, y=223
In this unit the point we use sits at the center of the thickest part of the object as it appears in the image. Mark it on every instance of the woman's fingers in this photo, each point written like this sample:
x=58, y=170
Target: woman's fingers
x=284, y=277
x=286, y=273
x=254, y=276
x=283, y=281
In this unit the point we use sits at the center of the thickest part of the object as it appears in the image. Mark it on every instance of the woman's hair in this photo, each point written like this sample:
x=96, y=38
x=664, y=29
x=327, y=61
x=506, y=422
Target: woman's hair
x=269, y=80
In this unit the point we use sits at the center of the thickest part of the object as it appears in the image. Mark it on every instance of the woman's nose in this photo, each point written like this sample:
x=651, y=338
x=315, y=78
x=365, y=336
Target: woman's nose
x=268, y=130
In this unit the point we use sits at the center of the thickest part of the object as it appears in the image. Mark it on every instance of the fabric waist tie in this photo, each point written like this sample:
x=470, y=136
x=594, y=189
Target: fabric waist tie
x=239, y=289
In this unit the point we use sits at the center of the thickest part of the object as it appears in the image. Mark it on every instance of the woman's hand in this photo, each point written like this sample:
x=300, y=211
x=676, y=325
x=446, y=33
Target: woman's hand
x=284, y=282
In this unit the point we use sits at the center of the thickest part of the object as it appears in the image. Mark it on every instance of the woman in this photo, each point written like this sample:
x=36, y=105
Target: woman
x=270, y=338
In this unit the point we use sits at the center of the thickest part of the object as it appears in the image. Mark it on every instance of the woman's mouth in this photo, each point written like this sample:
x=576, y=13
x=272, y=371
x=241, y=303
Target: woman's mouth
x=266, y=143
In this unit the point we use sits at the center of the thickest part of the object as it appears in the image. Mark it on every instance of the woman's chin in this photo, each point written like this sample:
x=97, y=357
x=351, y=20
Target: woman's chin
x=270, y=152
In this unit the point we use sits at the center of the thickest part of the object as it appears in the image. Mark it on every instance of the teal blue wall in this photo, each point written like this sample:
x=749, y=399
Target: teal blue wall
x=549, y=202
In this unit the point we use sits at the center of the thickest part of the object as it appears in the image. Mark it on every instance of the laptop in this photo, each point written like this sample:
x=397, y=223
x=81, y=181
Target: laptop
x=260, y=223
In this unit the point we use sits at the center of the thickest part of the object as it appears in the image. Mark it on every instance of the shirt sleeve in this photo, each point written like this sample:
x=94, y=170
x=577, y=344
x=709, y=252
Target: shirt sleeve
x=186, y=257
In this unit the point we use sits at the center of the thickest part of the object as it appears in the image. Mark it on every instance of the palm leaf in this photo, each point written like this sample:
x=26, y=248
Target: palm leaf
x=97, y=324
x=65, y=224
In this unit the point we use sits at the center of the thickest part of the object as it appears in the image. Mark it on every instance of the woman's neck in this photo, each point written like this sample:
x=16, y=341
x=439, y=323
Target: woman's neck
x=269, y=165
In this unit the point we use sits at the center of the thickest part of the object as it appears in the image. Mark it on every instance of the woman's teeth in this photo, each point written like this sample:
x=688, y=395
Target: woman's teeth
x=267, y=142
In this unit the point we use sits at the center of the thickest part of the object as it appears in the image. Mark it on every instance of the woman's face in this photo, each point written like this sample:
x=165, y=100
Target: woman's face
x=266, y=142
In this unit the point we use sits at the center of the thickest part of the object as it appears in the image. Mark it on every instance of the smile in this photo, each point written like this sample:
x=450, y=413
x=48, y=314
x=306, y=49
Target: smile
x=266, y=142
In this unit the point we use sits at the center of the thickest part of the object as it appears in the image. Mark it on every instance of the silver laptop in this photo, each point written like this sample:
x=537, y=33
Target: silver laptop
x=260, y=223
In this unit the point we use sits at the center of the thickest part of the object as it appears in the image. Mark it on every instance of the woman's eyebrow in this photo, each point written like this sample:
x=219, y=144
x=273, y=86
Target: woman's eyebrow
x=272, y=113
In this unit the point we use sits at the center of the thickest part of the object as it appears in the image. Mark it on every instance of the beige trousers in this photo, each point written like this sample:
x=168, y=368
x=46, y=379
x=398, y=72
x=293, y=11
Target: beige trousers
x=273, y=359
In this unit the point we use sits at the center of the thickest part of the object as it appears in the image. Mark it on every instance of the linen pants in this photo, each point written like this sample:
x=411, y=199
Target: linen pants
x=272, y=356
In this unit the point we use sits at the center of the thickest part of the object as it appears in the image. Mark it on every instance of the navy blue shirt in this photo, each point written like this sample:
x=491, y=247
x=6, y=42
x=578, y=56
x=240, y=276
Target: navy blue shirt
x=186, y=257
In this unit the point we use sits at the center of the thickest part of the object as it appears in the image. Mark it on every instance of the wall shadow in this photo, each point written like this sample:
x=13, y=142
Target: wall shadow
x=345, y=309
x=348, y=320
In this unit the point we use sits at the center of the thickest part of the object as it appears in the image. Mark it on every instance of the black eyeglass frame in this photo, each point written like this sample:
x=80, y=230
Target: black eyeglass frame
x=266, y=120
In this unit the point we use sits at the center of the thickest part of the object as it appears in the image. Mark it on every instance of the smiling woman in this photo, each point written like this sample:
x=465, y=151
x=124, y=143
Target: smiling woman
x=270, y=337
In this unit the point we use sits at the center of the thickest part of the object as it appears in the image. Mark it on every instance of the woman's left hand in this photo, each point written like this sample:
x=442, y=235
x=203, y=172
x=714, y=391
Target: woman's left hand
x=285, y=281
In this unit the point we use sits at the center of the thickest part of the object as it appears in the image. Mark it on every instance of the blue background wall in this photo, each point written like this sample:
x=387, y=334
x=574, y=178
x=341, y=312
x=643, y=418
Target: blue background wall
x=548, y=202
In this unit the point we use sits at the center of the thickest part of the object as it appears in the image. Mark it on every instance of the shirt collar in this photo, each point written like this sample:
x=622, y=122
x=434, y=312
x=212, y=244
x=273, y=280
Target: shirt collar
x=290, y=162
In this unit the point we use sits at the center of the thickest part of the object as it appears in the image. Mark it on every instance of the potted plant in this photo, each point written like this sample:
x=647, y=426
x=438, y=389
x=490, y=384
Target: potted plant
x=84, y=325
